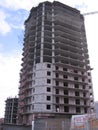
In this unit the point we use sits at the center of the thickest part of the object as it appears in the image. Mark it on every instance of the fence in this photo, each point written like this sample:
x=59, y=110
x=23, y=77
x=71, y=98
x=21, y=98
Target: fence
x=15, y=127
x=52, y=124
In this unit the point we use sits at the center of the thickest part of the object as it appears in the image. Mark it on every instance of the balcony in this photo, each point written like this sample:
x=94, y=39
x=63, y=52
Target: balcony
x=65, y=64
x=70, y=73
x=69, y=60
x=69, y=42
x=66, y=51
x=68, y=26
x=62, y=31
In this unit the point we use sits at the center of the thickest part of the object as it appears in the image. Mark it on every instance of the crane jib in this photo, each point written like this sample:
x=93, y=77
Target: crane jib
x=89, y=13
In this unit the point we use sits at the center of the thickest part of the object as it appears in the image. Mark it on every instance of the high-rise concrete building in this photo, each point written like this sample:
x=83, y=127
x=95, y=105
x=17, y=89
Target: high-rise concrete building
x=11, y=111
x=55, y=78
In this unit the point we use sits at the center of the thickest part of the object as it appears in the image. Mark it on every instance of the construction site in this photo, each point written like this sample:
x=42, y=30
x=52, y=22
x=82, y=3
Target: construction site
x=56, y=89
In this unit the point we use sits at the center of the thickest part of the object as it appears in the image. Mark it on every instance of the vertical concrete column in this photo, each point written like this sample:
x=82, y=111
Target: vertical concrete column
x=53, y=47
x=35, y=39
x=12, y=111
x=53, y=59
x=42, y=33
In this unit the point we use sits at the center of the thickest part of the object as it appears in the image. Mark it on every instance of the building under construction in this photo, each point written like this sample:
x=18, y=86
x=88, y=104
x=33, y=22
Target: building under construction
x=11, y=111
x=55, y=79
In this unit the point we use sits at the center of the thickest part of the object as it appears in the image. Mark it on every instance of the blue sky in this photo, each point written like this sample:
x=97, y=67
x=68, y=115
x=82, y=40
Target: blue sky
x=13, y=13
x=11, y=34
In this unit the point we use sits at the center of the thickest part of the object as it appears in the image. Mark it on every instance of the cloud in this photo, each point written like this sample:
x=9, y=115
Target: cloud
x=20, y=4
x=17, y=4
x=91, y=5
x=86, y=5
x=9, y=78
x=16, y=19
x=1, y=46
x=4, y=26
x=12, y=20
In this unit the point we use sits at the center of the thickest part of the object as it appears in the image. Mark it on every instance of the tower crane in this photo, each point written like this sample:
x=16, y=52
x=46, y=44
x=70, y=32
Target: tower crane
x=90, y=13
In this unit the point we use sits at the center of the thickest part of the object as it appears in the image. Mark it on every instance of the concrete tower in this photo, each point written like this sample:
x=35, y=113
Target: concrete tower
x=55, y=78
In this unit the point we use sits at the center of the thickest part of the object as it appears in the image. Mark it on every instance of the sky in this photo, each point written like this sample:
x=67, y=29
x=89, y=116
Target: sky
x=13, y=13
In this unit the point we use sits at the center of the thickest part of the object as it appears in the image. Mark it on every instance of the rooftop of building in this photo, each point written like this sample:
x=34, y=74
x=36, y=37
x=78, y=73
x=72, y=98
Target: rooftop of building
x=55, y=3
